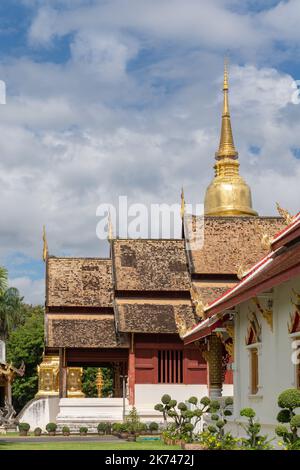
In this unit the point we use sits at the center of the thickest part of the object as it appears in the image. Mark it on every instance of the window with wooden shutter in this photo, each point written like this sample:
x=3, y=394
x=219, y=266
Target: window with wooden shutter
x=170, y=366
x=254, y=371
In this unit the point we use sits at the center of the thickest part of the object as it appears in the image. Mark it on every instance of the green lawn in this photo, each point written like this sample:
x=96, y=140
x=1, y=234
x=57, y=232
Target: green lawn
x=151, y=445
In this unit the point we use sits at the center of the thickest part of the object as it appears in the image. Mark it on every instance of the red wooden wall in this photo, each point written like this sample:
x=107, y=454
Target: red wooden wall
x=147, y=349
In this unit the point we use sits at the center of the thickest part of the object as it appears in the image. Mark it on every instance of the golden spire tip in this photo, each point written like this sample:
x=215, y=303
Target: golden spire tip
x=225, y=83
x=45, y=245
x=182, y=208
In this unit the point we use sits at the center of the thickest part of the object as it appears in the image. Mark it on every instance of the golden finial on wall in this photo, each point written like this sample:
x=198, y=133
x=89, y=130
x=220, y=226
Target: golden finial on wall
x=288, y=218
x=110, y=234
x=45, y=245
x=182, y=207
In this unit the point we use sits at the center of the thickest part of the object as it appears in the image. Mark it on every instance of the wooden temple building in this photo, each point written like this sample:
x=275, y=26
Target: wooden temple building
x=130, y=311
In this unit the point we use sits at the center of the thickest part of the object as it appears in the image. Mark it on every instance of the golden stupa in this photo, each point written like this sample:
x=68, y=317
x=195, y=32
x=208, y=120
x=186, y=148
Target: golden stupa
x=228, y=194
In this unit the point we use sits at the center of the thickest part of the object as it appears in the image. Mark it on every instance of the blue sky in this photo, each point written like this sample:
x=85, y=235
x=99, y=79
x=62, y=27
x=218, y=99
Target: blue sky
x=123, y=97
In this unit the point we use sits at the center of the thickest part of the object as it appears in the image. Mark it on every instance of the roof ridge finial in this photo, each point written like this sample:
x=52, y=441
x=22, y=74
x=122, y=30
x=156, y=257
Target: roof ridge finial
x=110, y=234
x=182, y=207
x=45, y=245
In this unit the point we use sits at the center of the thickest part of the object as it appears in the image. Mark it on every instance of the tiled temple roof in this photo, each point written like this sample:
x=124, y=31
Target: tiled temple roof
x=153, y=317
x=147, y=282
x=79, y=331
x=210, y=292
x=230, y=242
x=150, y=265
x=79, y=282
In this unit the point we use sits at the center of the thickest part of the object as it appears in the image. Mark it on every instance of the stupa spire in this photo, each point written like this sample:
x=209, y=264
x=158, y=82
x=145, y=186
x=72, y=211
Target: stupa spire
x=226, y=147
x=228, y=194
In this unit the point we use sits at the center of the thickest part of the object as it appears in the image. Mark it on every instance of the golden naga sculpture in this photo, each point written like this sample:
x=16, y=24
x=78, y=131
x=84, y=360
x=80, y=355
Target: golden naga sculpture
x=228, y=194
x=266, y=241
x=197, y=302
x=181, y=325
x=9, y=371
x=288, y=218
x=241, y=272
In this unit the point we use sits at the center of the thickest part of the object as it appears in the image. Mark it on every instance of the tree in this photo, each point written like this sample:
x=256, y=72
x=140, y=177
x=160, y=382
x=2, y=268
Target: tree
x=26, y=344
x=11, y=307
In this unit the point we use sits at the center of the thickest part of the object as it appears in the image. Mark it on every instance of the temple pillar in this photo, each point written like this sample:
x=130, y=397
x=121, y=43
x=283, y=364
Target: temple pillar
x=215, y=370
x=131, y=371
x=62, y=374
x=117, y=381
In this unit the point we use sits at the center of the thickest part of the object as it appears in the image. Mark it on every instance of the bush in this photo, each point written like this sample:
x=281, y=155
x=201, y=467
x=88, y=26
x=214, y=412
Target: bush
x=212, y=442
x=153, y=426
x=248, y=413
x=295, y=421
x=116, y=427
x=143, y=427
x=193, y=400
x=165, y=399
x=281, y=430
x=254, y=441
x=289, y=401
x=218, y=412
x=83, y=430
x=51, y=427
x=133, y=421
x=184, y=420
x=284, y=416
x=108, y=426
x=123, y=427
x=105, y=427
x=65, y=430
x=24, y=427
x=37, y=432
x=102, y=427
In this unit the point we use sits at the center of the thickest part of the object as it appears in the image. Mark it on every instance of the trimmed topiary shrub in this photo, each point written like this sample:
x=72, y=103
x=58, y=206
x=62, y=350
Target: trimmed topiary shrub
x=83, y=430
x=101, y=428
x=51, y=428
x=289, y=401
x=23, y=429
x=143, y=428
x=37, y=432
x=65, y=430
x=254, y=441
x=153, y=426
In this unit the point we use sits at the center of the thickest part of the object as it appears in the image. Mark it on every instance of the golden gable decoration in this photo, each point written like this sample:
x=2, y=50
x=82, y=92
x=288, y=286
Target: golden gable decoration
x=294, y=323
x=254, y=330
x=267, y=313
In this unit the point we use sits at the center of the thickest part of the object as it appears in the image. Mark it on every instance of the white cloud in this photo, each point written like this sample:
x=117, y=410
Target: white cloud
x=113, y=120
x=33, y=291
